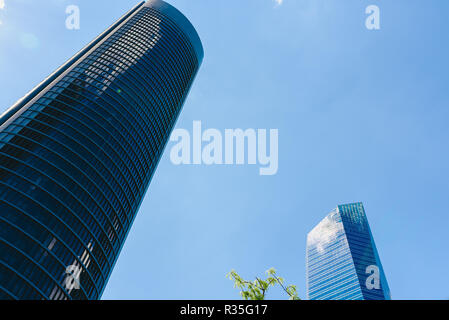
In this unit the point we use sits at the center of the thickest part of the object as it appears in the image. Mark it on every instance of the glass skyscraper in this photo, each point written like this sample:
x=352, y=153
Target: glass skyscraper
x=342, y=259
x=78, y=152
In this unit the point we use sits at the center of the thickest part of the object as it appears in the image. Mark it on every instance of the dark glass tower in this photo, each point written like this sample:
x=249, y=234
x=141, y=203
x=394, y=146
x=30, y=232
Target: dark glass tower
x=342, y=259
x=79, y=151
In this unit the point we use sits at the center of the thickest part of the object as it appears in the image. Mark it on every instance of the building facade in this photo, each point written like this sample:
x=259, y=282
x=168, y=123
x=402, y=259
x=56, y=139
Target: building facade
x=78, y=152
x=342, y=262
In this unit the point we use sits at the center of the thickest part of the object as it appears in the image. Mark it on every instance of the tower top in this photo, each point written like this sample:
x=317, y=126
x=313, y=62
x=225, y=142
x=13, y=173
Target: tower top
x=180, y=19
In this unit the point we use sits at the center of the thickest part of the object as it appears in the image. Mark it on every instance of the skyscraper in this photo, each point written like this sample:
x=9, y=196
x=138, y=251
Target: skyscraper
x=78, y=152
x=342, y=259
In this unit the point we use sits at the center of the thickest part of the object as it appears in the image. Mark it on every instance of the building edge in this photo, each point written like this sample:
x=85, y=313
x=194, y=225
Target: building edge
x=22, y=102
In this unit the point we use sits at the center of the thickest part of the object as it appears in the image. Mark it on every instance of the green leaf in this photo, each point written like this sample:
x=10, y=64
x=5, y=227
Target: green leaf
x=257, y=289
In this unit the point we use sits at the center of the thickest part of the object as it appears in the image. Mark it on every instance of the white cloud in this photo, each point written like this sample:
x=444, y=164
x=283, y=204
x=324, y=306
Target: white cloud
x=278, y=2
x=2, y=5
x=325, y=232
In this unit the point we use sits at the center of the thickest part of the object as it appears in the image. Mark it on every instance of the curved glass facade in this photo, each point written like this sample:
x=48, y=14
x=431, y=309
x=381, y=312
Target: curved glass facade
x=78, y=153
x=342, y=259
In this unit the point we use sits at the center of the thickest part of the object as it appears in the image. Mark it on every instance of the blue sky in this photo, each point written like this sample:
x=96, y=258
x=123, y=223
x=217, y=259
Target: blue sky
x=362, y=116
